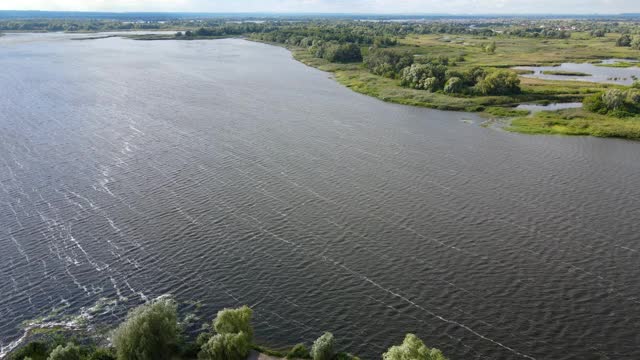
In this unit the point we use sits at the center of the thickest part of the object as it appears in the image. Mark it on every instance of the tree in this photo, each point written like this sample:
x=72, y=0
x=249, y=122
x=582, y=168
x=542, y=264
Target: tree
x=68, y=352
x=344, y=53
x=613, y=99
x=412, y=348
x=424, y=76
x=624, y=40
x=387, y=63
x=227, y=346
x=323, y=347
x=635, y=43
x=502, y=82
x=490, y=48
x=150, y=332
x=454, y=86
x=233, y=321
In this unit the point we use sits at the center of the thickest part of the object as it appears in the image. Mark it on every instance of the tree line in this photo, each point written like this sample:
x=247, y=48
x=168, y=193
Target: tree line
x=153, y=332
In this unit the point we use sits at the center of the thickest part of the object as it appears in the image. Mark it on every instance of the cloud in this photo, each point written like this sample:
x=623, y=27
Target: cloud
x=335, y=6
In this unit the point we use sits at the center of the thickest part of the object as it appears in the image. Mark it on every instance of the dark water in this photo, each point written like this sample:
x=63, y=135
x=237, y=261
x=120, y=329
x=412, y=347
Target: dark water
x=227, y=173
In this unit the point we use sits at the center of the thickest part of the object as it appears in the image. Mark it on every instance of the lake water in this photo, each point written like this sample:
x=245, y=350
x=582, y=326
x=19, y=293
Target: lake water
x=226, y=173
x=597, y=74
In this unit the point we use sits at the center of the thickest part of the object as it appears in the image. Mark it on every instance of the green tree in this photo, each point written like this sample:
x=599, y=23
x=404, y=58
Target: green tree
x=501, y=82
x=68, y=352
x=323, y=347
x=613, y=99
x=490, y=48
x=233, y=321
x=227, y=346
x=344, y=53
x=624, y=40
x=150, y=332
x=299, y=352
x=412, y=348
x=424, y=76
x=454, y=86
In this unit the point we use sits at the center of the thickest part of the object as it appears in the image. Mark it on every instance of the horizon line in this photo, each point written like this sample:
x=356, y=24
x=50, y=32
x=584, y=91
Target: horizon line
x=313, y=13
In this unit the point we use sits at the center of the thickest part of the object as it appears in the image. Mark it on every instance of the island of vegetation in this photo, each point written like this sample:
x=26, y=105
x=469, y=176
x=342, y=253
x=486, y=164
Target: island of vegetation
x=153, y=332
x=565, y=73
x=461, y=64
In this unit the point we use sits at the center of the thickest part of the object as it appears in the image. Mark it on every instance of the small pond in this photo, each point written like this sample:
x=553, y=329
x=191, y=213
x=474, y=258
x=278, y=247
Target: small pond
x=595, y=72
x=550, y=107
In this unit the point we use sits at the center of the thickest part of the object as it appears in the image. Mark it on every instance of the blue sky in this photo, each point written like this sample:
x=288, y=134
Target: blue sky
x=335, y=6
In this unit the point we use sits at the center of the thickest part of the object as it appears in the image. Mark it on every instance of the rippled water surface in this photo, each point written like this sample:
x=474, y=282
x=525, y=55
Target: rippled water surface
x=227, y=173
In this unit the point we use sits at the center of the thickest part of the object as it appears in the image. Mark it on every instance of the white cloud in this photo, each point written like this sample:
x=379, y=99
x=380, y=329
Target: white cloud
x=341, y=6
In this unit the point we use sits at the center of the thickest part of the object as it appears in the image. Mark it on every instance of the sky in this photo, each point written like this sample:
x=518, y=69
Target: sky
x=337, y=6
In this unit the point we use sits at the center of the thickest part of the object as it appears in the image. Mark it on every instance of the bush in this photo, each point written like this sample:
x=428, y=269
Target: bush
x=412, y=348
x=150, y=332
x=299, y=352
x=67, y=352
x=323, y=347
x=454, y=86
x=233, y=321
x=624, y=40
x=227, y=347
x=102, y=354
x=613, y=99
x=502, y=82
x=35, y=350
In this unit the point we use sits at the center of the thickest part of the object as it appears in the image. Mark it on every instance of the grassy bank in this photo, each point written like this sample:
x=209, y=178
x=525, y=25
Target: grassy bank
x=577, y=122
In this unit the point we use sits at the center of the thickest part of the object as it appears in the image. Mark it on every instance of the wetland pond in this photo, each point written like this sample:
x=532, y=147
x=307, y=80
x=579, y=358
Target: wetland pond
x=604, y=72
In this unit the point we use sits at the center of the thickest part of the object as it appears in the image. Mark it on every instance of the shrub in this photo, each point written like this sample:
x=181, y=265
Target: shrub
x=233, y=321
x=502, y=82
x=35, y=350
x=624, y=40
x=594, y=104
x=67, y=352
x=454, y=86
x=150, y=332
x=613, y=99
x=412, y=348
x=299, y=352
x=227, y=347
x=490, y=48
x=102, y=354
x=323, y=347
